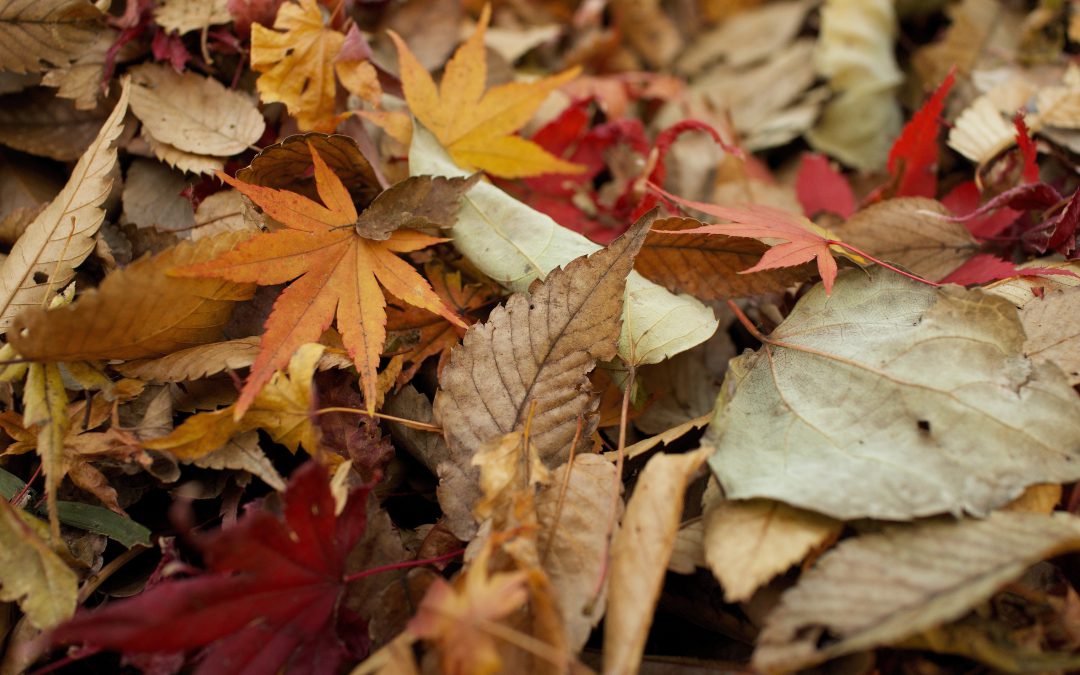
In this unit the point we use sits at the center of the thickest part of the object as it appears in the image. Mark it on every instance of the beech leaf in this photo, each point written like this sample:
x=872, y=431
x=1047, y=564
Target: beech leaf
x=916, y=399
x=933, y=572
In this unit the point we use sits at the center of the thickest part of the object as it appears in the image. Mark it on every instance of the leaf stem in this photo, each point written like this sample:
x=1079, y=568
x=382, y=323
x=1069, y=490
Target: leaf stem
x=356, y=576
x=876, y=261
x=412, y=424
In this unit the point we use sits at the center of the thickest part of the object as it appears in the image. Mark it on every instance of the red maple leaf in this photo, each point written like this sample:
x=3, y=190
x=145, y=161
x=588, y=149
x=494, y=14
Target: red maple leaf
x=913, y=158
x=821, y=188
x=269, y=600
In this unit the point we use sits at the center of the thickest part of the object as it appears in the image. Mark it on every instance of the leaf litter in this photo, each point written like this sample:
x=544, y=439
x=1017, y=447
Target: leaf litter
x=559, y=337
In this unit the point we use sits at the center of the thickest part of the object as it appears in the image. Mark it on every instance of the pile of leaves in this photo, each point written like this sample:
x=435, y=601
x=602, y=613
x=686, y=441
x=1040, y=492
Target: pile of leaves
x=614, y=336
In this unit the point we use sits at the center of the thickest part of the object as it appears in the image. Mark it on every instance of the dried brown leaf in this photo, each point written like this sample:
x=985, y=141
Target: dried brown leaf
x=152, y=197
x=39, y=122
x=1052, y=331
x=36, y=33
x=416, y=202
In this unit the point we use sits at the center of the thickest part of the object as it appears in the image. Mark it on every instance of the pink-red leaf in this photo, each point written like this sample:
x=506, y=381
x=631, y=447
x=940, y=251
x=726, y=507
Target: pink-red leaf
x=821, y=188
x=913, y=158
x=985, y=268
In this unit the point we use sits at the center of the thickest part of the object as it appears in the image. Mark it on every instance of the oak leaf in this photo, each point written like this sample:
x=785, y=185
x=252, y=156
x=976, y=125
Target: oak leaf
x=339, y=273
x=270, y=600
x=44, y=258
x=935, y=572
x=916, y=399
x=475, y=126
x=138, y=311
x=297, y=64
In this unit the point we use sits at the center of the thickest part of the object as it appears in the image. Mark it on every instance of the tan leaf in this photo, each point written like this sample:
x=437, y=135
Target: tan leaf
x=39, y=122
x=981, y=131
x=223, y=211
x=537, y=348
x=31, y=573
x=748, y=543
x=1052, y=331
x=152, y=197
x=45, y=406
x=1042, y=498
x=911, y=232
x=191, y=162
x=36, y=33
x=709, y=266
x=416, y=202
x=243, y=453
x=138, y=311
x=183, y=16
x=573, y=539
x=193, y=113
x=878, y=589
x=81, y=80
x=44, y=258
x=640, y=553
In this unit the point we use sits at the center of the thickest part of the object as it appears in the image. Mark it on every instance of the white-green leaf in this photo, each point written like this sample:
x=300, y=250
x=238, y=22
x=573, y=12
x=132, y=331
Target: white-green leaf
x=515, y=245
x=892, y=399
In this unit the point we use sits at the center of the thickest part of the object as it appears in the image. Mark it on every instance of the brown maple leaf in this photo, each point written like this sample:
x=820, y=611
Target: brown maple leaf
x=336, y=270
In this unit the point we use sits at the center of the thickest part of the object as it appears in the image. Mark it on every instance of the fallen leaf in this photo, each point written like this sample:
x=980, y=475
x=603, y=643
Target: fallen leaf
x=984, y=268
x=706, y=266
x=535, y=350
x=910, y=232
x=297, y=64
x=748, y=543
x=184, y=16
x=44, y=258
x=515, y=245
x=268, y=601
x=339, y=272
x=473, y=125
x=1052, y=334
x=867, y=389
x=31, y=573
x=416, y=202
x=823, y=189
x=934, y=573
x=36, y=34
x=242, y=453
x=193, y=113
x=913, y=159
x=152, y=197
x=81, y=80
x=287, y=166
x=138, y=311
x=639, y=556
x=37, y=121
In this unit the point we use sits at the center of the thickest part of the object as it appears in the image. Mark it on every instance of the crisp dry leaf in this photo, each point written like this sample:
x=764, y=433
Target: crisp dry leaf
x=912, y=232
x=339, y=272
x=81, y=80
x=800, y=239
x=45, y=404
x=709, y=267
x=639, y=555
x=31, y=573
x=475, y=126
x=193, y=113
x=268, y=602
x=916, y=399
x=35, y=34
x=416, y=202
x=748, y=543
x=286, y=166
x=297, y=64
x=152, y=197
x=137, y=312
x=243, y=453
x=536, y=348
x=1052, y=331
x=283, y=408
x=514, y=245
x=221, y=212
x=39, y=122
x=573, y=540
x=184, y=16
x=44, y=258
x=933, y=572
x=191, y=162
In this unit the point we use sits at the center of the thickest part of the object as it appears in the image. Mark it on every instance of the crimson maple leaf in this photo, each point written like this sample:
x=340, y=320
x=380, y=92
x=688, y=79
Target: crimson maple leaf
x=269, y=600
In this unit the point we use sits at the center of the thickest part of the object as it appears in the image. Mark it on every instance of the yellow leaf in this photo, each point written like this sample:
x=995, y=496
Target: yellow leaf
x=31, y=573
x=473, y=125
x=45, y=403
x=297, y=64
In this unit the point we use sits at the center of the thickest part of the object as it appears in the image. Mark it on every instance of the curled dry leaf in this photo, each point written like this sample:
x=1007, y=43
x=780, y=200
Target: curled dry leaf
x=916, y=399
x=31, y=573
x=639, y=556
x=35, y=34
x=748, y=543
x=933, y=573
x=44, y=258
x=138, y=311
x=537, y=348
x=515, y=245
x=193, y=113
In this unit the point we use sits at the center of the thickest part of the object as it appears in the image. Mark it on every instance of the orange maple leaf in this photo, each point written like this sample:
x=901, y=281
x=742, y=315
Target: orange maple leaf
x=475, y=126
x=336, y=271
x=793, y=239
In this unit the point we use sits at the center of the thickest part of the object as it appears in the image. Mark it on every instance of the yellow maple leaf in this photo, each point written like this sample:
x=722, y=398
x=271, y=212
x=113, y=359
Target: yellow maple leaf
x=475, y=126
x=297, y=65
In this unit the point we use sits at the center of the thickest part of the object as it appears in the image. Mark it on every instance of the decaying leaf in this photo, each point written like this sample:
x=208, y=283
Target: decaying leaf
x=748, y=543
x=639, y=555
x=878, y=589
x=515, y=245
x=44, y=258
x=37, y=33
x=918, y=400
x=138, y=311
x=31, y=573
